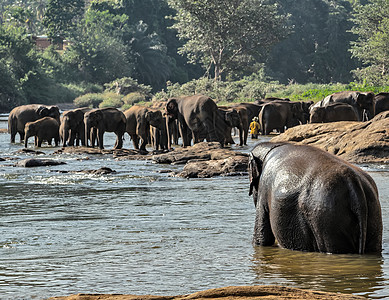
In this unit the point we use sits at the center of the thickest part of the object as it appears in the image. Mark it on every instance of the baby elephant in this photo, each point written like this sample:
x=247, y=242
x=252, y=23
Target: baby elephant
x=310, y=200
x=44, y=129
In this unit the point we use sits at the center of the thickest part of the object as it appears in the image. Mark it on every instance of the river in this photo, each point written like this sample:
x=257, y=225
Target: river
x=141, y=231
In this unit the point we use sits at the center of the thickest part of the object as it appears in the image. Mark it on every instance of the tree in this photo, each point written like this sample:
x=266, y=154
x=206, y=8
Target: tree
x=62, y=17
x=317, y=49
x=372, y=46
x=227, y=34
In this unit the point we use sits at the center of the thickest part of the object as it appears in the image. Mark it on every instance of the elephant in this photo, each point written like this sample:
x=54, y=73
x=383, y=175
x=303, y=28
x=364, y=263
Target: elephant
x=20, y=115
x=310, y=200
x=381, y=102
x=159, y=136
x=72, y=126
x=195, y=114
x=44, y=129
x=333, y=112
x=243, y=132
x=229, y=118
x=138, y=122
x=280, y=114
x=100, y=120
x=362, y=102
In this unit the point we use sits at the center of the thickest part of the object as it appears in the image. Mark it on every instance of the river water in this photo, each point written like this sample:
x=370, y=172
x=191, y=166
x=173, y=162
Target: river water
x=141, y=231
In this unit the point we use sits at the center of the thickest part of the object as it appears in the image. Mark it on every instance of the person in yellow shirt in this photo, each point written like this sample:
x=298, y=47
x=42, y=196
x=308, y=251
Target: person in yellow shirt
x=254, y=128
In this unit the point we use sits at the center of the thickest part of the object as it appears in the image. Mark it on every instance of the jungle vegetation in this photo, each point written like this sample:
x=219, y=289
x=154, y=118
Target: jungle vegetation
x=120, y=52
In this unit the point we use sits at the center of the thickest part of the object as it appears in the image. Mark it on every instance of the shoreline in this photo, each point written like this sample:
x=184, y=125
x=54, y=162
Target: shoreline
x=258, y=292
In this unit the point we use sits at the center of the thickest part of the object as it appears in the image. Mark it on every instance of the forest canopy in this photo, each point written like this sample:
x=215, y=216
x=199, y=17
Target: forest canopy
x=159, y=43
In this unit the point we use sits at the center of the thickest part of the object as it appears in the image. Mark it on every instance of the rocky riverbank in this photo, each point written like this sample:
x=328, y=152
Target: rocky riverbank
x=356, y=142
x=268, y=292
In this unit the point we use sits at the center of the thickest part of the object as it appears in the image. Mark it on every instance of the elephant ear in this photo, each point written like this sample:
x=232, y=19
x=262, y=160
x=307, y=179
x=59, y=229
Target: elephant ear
x=43, y=111
x=172, y=107
x=255, y=170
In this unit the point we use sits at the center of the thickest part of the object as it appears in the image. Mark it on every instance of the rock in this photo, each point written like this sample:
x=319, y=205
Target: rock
x=200, y=151
x=269, y=292
x=30, y=151
x=101, y=171
x=356, y=142
x=236, y=165
x=32, y=162
x=204, y=160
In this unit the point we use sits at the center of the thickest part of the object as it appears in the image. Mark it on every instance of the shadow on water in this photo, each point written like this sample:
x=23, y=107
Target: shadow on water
x=344, y=273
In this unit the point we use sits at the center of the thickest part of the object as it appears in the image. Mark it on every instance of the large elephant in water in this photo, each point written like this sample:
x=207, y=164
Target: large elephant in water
x=333, y=112
x=20, y=115
x=72, y=129
x=138, y=122
x=104, y=120
x=310, y=200
x=362, y=102
x=195, y=114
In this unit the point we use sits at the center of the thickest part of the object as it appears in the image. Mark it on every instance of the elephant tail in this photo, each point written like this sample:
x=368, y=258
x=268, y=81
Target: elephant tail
x=12, y=124
x=360, y=209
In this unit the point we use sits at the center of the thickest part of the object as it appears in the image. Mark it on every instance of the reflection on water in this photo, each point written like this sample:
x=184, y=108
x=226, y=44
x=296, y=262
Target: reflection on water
x=139, y=231
x=333, y=273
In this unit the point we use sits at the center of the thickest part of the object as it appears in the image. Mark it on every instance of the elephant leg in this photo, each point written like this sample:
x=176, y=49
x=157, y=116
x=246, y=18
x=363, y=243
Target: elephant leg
x=135, y=140
x=263, y=235
x=100, y=135
x=241, y=137
x=184, y=135
x=49, y=141
x=38, y=141
x=144, y=139
x=119, y=141
x=13, y=135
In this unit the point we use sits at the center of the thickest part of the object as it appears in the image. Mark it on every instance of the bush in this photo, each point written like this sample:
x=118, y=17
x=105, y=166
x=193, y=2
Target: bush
x=111, y=100
x=127, y=85
x=89, y=100
x=133, y=98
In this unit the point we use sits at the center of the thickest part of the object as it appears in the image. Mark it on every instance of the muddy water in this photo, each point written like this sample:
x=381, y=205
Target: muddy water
x=139, y=231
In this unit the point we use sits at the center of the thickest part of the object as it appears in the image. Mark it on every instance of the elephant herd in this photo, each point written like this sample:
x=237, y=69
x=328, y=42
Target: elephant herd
x=193, y=118
x=319, y=204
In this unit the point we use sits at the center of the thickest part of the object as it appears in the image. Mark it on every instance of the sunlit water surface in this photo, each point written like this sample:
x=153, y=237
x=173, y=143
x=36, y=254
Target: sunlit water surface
x=140, y=231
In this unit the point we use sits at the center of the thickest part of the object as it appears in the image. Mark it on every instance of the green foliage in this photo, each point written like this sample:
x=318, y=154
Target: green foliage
x=247, y=89
x=133, y=98
x=92, y=100
x=111, y=100
x=227, y=35
x=127, y=85
x=317, y=49
x=62, y=17
x=372, y=47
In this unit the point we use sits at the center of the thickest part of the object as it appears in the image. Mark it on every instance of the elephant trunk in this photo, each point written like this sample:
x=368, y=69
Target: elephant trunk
x=27, y=134
x=65, y=132
x=88, y=132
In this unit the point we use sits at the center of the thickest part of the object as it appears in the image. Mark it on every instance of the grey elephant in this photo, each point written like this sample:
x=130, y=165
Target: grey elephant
x=333, y=112
x=280, y=114
x=103, y=120
x=310, y=200
x=138, y=122
x=20, y=115
x=242, y=111
x=159, y=136
x=381, y=102
x=195, y=114
x=72, y=128
x=228, y=119
x=44, y=129
x=362, y=102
